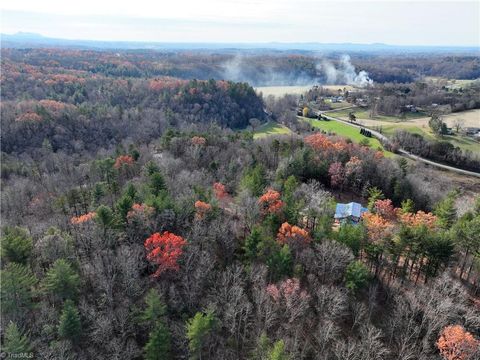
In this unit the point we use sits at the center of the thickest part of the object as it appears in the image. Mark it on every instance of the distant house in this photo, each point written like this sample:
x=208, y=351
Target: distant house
x=361, y=102
x=411, y=108
x=472, y=130
x=349, y=213
x=334, y=99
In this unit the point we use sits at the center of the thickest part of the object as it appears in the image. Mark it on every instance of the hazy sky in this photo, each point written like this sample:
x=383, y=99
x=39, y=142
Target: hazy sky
x=391, y=22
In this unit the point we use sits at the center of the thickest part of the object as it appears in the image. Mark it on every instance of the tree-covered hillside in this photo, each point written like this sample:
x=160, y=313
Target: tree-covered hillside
x=137, y=224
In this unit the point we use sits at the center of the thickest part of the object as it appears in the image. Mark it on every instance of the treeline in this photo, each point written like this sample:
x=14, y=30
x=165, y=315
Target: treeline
x=437, y=150
x=265, y=68
x=405, y=69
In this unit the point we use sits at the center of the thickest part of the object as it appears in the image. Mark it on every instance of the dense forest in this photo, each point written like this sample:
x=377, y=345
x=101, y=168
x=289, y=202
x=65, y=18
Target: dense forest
x=256, y=67
x=141, y=220
x=74, y=110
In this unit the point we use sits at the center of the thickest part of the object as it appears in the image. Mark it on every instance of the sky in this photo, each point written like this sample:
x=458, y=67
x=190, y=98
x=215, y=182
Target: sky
x=450, y=23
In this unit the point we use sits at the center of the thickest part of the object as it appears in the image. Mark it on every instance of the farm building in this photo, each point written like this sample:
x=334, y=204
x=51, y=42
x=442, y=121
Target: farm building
x=349, y=213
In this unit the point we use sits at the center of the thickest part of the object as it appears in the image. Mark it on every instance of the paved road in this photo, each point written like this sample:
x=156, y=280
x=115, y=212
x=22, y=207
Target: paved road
x=401, y=151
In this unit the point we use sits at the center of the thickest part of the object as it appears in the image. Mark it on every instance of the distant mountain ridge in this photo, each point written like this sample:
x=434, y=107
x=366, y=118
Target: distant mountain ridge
x=34, y=40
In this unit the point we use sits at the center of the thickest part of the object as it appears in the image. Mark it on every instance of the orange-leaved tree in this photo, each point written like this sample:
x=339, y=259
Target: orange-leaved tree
x=140, y=211
x=418, y=219
x=164, y=250
x=270, y=202
x=123, y=160
x=293, y=235
x=76, y=220
x=455, y=343
x=220, y=191
x=201, y=208
x=378, y=228
x=319, y=141
x=198, y=140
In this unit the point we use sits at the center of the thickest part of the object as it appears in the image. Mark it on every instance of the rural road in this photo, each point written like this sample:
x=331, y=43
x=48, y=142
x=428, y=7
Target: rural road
x=401, y=151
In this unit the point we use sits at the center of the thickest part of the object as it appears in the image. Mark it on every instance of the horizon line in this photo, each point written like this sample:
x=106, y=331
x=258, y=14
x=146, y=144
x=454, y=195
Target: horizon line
x=39, y=36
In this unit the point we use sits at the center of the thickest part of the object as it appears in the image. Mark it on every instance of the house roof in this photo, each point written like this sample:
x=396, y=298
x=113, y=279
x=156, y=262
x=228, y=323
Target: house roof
x=350, y=209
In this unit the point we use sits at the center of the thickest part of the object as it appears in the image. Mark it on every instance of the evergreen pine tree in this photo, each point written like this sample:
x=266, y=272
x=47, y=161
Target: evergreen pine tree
x=446, y=212
x=278, y=351
x=291, y=208
x=374, y=194
x=61, y=280
x=280, y=262
x=124, y=205
x=158, y=345
x=154, y=309
x=105, y=218
x=356, y=276
x=15, y=342
x=408, y=206
x=16, y=245
x=198, y=329
x=262, y=349
x=157, y=183
x=69, y=326
x=254, y=180
x=16, y=289
x=251, y=244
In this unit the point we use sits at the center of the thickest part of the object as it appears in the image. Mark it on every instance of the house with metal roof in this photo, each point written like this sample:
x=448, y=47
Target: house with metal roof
x=349, y=213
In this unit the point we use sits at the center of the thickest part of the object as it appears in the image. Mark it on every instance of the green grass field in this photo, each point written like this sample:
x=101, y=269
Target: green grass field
x=389, y=130
x=389, y=124
x=271, y=128
x=463, y=142
x=361, y=113
x=339, y=105
x=337, y=128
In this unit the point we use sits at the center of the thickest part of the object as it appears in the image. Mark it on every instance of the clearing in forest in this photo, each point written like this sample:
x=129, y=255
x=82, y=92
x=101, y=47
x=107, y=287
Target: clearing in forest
x=271, y=128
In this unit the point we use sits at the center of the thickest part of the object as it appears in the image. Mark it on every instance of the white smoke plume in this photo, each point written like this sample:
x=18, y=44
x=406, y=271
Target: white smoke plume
x=232, y=69
x=238, y=68
x=344, y=74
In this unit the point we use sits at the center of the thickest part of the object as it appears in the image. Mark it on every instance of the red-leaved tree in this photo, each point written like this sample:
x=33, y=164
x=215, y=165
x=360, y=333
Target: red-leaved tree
x=287, y=289
x=164, y=250
x=337, y=174
x=385, y=209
